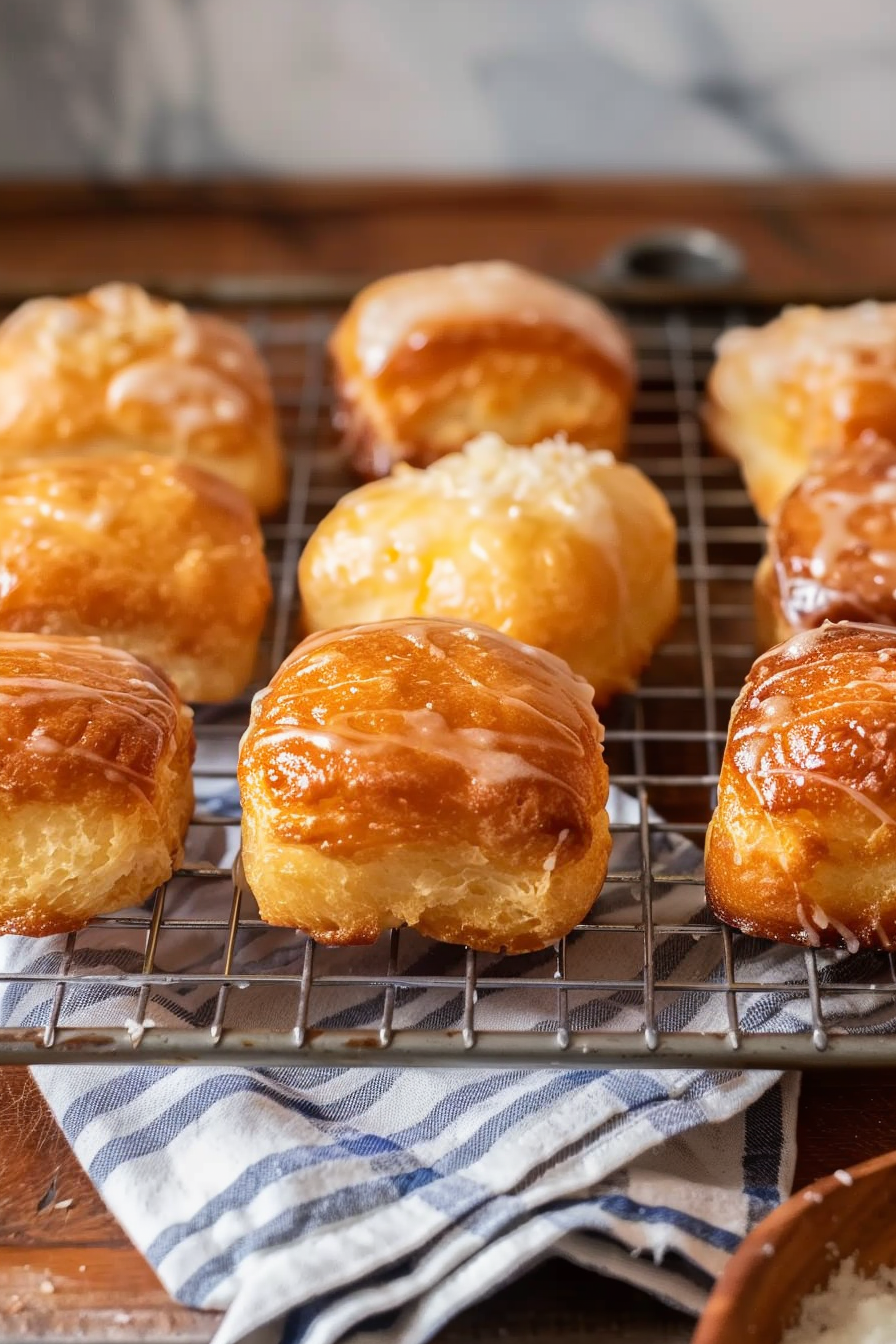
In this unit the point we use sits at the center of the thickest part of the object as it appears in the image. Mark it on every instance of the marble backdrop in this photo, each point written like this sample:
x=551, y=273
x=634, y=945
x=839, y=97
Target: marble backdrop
x=190, y=87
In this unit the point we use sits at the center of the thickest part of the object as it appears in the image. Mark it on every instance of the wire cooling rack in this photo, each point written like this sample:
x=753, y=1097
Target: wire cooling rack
x=649, y=979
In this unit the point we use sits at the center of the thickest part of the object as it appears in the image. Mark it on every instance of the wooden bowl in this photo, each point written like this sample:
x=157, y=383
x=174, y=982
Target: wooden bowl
x=788, y=1254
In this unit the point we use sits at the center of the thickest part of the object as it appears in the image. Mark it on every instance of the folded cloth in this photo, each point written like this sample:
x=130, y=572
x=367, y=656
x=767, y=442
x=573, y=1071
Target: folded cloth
x=340, y=1203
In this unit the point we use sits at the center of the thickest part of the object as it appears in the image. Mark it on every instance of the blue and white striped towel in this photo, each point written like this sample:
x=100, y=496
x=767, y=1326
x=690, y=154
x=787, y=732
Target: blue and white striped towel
x=341, y=1203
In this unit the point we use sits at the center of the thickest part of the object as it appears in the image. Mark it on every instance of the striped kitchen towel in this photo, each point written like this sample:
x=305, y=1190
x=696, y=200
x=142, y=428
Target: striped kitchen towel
x=334, y=1204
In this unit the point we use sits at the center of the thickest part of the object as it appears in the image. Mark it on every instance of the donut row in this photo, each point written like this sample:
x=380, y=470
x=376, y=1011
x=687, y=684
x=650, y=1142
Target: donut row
x=137, y=441
x=802, y=846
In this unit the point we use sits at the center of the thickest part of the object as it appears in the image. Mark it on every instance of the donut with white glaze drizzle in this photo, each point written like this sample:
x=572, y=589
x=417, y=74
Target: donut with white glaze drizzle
x=425, y=360
x=429, y=773
x=144, y=552
x=832, y=545
x=814, y=379
x=116, y=368
x=552, y=544
x=802, y=845
x=95, y=785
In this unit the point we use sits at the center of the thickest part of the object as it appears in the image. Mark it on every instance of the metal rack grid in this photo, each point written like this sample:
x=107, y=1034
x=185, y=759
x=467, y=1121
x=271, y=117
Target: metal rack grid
x=623, y=989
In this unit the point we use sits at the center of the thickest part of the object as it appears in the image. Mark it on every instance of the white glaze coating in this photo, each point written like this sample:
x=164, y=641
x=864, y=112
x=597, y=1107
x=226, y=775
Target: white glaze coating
x=554, y=480
x=852, y=343
x=762, y=751
x=490, y=758
x=819, y=777
x=149, y=703
x=479, y=291
x=145, y=351
x=418, y=629
x=95, y=337
x=553, y=700
x=554, y=477
x=194, y=398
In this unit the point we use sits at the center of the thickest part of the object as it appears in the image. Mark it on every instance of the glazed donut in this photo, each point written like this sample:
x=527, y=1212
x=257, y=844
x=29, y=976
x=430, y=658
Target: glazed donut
x=832, y=545
x=425, y=360
x=428, y=773
x=812, y=379
x=116, y=368
x=559, y=547
x=146, y=553
x=95, y=785
x=802, y=846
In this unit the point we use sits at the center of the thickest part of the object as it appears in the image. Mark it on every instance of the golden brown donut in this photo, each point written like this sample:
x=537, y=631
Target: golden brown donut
x=116, y=368
x=812, y=379
x=802, y=846
x=425, y=360
x=147, y=553
x=832, y=545
x=559, y=547
x=95, y=785
x=427, y=773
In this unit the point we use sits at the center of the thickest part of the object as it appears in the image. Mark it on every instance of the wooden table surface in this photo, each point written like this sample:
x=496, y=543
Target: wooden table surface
x=798, y=239
x=66, y=1270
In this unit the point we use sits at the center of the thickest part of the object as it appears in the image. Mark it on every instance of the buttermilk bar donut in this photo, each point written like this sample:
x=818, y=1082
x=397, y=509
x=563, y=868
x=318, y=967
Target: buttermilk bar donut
x=428, y=773
x=146, y=553
x=802, y=846
x=814, y=378
x=117, y=368
x=832, y=545
x=427, y=359
x=554, y=545
x=95, y=786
